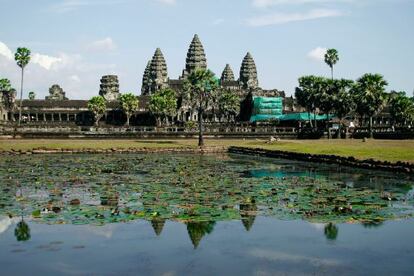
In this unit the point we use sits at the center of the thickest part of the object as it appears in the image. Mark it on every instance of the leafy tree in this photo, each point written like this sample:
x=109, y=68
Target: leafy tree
x=369, y=96
x=22, y=231
x=228, y=104
x=401, y=108
x=331, y=58
x=97, y=105
x=22, y=57
x=129, y=104
x=32, y=95
x=343, y=100
x=162, y=104
x=307, y=93
x=8, y=94
x=198, y=90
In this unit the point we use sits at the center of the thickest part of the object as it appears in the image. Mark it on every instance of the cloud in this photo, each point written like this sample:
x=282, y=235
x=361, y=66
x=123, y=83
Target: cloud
x=5, y=51
x=45, y=61
x=282, y=18
x=72, y=5
x=74, y=78
x=218, y=21
x=269, y=3
x=106, y=44
x=167, y=2
x=77, y=76
x=317, y=54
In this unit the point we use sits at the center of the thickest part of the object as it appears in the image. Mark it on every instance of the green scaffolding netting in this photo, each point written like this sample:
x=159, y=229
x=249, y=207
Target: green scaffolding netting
x=288, y=117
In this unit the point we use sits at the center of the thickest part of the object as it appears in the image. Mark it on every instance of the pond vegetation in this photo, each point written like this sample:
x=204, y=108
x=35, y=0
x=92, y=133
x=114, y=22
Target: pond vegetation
x=197, y=190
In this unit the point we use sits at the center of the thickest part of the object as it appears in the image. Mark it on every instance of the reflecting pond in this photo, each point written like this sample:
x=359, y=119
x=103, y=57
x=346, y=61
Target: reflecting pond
x=172, y=214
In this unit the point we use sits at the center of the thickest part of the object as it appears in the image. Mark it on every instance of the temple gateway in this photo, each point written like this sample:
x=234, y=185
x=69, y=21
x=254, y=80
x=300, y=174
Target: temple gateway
x=58, y=108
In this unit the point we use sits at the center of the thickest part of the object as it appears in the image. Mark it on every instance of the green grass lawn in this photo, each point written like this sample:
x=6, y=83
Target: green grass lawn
x=390, y=150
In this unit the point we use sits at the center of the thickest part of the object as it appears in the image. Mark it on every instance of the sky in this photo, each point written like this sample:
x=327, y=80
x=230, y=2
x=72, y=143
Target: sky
x=75, y=42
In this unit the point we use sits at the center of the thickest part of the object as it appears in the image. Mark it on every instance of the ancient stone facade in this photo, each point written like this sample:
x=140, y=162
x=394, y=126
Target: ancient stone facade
x=156, y=77
x=156, y=74
x=7, y=103
x=248, y=73
x=196, y=58
x=227, y=74
x=109, y=88
x=56, y=93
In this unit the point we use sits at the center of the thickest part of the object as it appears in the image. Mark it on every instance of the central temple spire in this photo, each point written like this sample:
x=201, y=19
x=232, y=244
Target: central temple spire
x=155, y=74
x=248, y=73
x=196, y=58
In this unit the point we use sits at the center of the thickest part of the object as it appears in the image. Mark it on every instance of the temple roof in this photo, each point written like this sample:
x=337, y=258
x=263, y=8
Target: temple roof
x=196, y=58
x=248, y=72
x=146, y=79
x=158, y=66
x=227, y=74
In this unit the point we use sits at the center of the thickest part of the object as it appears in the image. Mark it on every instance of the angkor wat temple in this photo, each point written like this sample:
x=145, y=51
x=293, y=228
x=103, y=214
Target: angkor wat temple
x=57, y=108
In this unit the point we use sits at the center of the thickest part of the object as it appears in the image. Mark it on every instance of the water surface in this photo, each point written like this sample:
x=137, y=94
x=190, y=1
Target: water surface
x=201, y=214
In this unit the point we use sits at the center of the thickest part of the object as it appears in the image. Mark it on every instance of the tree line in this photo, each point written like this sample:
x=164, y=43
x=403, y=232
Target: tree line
x=364, y=97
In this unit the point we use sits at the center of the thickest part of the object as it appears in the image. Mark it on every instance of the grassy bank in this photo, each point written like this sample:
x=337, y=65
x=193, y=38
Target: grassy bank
x=384, y=150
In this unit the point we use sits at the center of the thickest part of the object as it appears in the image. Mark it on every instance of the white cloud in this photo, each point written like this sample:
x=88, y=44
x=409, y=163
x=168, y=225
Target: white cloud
x=269, y=3
x=317, y=54
x=5, y=51
x=78, y=77
x=218, y=21
x=106, y=44
x=282, y=18
x=74, y=78
x=66, y=6
x=167, y=2
x=45, y=61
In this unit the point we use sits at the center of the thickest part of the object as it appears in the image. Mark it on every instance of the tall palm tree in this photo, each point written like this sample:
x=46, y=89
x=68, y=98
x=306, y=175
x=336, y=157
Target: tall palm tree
x=198, y=90
x=331, y=58
x=22, y=57
x=369, y=96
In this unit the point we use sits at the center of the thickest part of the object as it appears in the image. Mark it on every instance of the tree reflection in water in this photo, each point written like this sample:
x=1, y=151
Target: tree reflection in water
x=22, y=231
x=331, y=231
x=197, y=230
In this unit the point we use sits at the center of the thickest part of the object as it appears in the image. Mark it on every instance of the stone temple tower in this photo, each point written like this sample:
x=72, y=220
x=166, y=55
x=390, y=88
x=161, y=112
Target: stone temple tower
x=109, y=88
x=196, y=58
x=248, y=73
x=146, y=80
x=155, y=75
x=158, y=71
x=227, y=74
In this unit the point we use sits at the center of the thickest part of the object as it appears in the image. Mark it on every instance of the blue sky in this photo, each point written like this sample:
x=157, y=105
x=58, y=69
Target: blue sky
x=75, y=42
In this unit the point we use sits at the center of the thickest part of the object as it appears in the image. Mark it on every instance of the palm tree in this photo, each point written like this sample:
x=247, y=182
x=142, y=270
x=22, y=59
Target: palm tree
x=331, y=58
x=22, y=57
x=129, y=104
x=402, y=108
x=228, y=105
x=198, y=90
x=369, y=96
